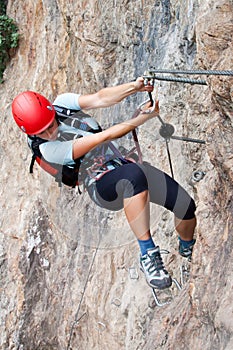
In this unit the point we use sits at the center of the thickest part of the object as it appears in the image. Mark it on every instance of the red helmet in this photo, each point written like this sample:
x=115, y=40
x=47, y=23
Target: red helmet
x=32, y=112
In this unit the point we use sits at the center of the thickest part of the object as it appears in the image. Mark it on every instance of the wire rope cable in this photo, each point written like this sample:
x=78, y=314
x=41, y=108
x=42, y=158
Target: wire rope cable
x=151, y=74
x=192, y=72
x=76, y=319
x=179, y=80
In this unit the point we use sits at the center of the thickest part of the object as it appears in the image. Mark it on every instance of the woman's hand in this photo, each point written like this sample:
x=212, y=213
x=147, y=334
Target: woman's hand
x=140, y=86
x=109, y=96
x=85, y=144
x=152, y=111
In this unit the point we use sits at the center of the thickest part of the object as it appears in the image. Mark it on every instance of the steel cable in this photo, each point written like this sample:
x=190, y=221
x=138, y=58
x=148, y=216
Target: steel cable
x=194, y=72
x=179, y=80
x=151, y=74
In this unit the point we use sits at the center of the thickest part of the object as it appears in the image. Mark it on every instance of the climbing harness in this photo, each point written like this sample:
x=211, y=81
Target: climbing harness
x=100, y=167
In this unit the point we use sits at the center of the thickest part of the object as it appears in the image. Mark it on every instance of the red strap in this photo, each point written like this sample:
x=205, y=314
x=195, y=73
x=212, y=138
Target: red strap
x=135, y=138
x=46, y=166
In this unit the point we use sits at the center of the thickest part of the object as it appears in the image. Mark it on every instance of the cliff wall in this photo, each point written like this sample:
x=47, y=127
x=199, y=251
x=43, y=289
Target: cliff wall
x=69, y=271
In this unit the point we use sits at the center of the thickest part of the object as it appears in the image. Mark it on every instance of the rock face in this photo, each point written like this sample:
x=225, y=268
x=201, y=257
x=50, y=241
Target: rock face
x=69, y=273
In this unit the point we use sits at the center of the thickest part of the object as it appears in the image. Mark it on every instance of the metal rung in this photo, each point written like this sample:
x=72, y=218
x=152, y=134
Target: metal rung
x=160, y=303
x=184, y=273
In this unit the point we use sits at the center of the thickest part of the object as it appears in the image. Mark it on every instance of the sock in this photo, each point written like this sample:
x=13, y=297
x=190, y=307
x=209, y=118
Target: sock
x=145, y=245
x=186, y=244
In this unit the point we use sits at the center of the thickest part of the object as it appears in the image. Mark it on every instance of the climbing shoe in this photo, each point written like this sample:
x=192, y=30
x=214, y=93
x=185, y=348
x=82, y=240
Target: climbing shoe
x=186, y=252
x=152, y=266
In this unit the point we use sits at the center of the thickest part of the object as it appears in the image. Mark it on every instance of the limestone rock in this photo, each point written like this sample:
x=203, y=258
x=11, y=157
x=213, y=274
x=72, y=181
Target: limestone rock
x=69, y=271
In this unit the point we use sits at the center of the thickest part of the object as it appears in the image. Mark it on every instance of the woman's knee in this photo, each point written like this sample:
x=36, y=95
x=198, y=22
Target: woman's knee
x=186, y=209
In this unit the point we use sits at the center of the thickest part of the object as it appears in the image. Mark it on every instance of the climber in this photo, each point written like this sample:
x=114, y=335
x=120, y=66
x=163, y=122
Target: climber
x=114, y=182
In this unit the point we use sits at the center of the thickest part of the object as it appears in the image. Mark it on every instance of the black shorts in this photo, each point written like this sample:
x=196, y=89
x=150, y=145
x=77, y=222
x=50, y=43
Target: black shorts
x=130, y=179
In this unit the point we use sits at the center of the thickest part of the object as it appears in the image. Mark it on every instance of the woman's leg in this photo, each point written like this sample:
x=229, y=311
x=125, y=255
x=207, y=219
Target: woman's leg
x=127, y=187
x=137, y=212
x=166, y=192
x=185, y=228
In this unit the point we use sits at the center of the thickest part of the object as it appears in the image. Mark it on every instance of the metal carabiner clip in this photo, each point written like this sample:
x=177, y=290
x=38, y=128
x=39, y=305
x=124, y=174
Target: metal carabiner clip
x=147, y=111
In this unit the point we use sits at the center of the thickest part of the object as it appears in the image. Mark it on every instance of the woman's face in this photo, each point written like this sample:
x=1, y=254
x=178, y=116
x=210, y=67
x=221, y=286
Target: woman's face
x=50, y=133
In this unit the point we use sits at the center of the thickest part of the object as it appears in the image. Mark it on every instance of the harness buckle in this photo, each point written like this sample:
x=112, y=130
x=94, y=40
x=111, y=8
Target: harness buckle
x=100, y=168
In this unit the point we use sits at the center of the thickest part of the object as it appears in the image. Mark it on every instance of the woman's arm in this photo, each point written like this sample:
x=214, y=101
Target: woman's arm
x=111, y=95
x=86, y=144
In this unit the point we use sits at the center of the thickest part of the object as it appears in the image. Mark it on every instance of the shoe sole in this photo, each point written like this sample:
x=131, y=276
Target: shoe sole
x=157, y=287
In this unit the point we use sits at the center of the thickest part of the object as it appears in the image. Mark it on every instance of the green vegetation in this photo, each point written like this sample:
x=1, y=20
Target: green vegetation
x=3, y=4
x=9, y=38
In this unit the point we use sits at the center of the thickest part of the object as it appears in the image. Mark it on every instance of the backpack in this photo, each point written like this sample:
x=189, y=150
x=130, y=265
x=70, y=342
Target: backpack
x=68, y=175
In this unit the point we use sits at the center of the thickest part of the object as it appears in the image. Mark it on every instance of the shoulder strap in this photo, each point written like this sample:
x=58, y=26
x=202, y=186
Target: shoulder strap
x=83, y=121
x=61, y=173
x=77, y=119
x=64, y=112
x=35, y=143
x=34, y=146
x=32, y=163
x=70, y=113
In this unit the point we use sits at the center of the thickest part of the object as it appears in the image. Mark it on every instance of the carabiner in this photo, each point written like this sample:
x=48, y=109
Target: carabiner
x=147, y=111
